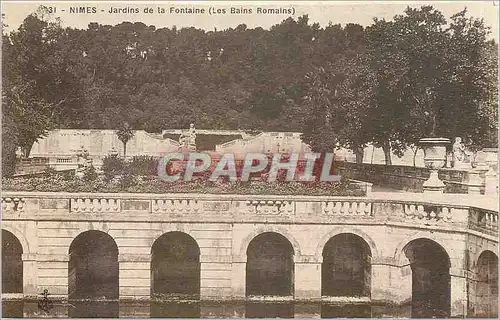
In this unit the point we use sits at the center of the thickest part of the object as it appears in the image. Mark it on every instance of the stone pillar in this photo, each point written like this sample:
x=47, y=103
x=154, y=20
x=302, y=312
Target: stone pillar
x=307, y=278
x=52, y=271
x=215, y=277
x=458, y=295
x=135, y=276
x=391, y=288
x=30, y=275
x=238, y=277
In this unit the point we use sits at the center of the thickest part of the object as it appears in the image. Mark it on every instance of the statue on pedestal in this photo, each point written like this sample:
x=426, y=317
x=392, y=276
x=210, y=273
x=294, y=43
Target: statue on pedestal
x=461, y=159
x=187, y=140
x=84, y=162
x=19, y=153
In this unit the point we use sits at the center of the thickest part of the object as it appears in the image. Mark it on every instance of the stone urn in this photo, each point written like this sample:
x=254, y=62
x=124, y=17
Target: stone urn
x=434, y=159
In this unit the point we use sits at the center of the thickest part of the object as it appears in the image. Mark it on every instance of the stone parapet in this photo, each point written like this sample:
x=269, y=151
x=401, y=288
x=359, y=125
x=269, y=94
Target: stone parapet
x=457, y=212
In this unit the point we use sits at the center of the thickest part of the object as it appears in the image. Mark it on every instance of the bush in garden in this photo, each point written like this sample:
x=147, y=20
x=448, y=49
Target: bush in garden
x=127, y=178
x=143, y=165
x=112, y=166
x=90, y=174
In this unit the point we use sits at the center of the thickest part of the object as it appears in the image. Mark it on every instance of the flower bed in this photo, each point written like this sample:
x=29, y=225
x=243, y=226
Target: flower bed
x=57, y=182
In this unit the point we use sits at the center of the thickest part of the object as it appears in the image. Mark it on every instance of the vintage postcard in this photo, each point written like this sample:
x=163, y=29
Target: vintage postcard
x=249, y=159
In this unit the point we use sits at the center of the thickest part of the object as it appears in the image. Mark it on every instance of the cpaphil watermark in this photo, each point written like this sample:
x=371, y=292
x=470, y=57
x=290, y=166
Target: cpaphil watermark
x=298, y=167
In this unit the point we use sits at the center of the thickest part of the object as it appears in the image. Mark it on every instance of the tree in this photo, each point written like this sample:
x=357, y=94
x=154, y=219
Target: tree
x=37, y=90
x=338, y=98
x=125, y=133
x=437, y=78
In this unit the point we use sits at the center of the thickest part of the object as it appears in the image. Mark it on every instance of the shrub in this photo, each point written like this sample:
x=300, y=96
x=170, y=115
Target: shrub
x=90, y=174
x=144, y=165
x=112, y=166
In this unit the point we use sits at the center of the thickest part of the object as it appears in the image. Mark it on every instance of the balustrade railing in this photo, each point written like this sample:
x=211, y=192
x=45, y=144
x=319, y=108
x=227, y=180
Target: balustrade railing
x=407, y=208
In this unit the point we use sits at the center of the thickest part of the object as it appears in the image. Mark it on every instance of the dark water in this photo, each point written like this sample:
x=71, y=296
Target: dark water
x=192, y=309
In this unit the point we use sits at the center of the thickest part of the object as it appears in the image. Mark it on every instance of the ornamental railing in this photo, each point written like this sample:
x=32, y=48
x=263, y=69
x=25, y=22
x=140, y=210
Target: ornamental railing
x=446, y=211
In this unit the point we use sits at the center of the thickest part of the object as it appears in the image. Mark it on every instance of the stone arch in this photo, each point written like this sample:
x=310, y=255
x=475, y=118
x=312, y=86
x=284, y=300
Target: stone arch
x=343, y=229
x=430, y=266
x=175, y=266
x=269, y=228
x=166, y=228
x=93, y=266
x=485, y=300
x=346, y=266
x=270, y=266
x=12, y=263
x=93, y=226
x=19, y=235
x=400, y=258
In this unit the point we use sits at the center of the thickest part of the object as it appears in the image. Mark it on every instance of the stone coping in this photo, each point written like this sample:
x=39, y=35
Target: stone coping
x=455, y=200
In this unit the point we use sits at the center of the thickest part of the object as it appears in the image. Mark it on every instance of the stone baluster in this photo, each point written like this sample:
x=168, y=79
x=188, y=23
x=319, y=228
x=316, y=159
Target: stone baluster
x=421, y=212
x=12, y=204
x=446, y=213
x=338, y=207
x=368, y=209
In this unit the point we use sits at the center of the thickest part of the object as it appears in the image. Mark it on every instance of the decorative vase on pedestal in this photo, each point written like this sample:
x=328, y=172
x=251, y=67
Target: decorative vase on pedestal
x=434, y=159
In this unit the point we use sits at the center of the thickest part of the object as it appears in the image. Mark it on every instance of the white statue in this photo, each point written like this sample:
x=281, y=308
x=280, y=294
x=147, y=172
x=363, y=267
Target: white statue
x=187, y=140
x=460, y=156
x=19, y=153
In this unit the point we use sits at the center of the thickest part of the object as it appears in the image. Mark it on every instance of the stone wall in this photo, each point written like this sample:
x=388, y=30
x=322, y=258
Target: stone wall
x=224, y=225
x=266, y=142
x=65, y=143
x=411, y=178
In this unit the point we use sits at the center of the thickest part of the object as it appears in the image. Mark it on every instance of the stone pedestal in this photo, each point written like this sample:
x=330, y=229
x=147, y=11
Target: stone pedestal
x=433, y=184
x=135, y=276
x=307, y=279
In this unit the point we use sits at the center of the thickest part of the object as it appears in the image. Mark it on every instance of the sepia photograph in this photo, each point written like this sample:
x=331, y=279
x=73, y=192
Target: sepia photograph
x=212, y=159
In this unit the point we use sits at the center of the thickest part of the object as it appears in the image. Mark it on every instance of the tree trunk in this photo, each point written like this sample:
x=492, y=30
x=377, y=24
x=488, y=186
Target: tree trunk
x=359, y=152
x=415, y=156
x=124, y=149
x=387, y=152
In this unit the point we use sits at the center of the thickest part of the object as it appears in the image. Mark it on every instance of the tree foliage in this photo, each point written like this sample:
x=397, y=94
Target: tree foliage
x=421, y=76
x=388, y=84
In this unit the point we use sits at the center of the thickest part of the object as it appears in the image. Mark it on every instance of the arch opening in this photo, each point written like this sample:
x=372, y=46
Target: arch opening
x=269, y=269
x=431, y=286
x=175, y=266
x=12, y=263
x=93, y=267
x=487, y=285
x=346, y=267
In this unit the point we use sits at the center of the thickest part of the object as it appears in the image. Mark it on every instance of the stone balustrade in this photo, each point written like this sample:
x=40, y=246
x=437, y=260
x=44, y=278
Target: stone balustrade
x=475, y=212
x=412, y=178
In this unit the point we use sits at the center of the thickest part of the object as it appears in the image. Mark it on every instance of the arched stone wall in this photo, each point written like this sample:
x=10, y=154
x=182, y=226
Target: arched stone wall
x=347, y=229
x=269, y=228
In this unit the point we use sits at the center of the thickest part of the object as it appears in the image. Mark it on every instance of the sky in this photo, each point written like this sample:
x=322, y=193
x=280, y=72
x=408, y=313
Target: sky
x=360, y=12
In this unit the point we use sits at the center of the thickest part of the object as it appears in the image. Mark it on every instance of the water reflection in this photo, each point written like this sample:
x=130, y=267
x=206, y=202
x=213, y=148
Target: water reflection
x=269, y=310
x=12, y=309
x=175, y=309
x=346, y=311
x=200, y=309
x=93, y=309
